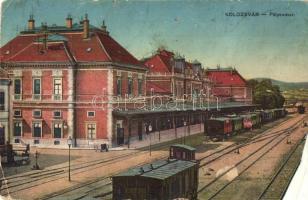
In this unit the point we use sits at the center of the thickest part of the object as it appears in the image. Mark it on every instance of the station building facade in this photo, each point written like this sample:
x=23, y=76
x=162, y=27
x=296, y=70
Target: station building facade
x=64, y=83
x=4, y=108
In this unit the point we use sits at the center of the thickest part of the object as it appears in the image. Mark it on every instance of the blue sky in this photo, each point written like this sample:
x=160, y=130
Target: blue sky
x=263, y=46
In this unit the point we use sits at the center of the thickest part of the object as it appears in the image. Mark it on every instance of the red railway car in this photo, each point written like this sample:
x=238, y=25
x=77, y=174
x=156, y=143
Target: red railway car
x=220, y=127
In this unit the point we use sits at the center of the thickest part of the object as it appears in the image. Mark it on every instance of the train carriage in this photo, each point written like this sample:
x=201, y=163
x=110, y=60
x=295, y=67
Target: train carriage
x=220, y=127
x=301, y=109
x=256, y=119
x=247, y=121
x=237, y=123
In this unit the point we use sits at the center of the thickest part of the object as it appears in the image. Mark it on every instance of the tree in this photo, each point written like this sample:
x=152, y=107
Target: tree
x=266, y=94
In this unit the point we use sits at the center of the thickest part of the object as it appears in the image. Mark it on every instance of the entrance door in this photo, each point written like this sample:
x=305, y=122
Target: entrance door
x=140, y=130
x=57, y=132
x=120, y=136
x=2, y=136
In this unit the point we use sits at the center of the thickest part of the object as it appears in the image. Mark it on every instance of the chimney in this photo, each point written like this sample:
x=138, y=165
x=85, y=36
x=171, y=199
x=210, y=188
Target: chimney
x=69, y=21
x=104, y=27
x=31, y=23
x=44, y=30
x=86, y=27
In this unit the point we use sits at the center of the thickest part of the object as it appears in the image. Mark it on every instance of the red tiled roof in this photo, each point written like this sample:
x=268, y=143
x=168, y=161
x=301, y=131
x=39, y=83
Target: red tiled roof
x=115, y=51
x=56, y=53
x=157, y=88
x=226, y=78
x=15, y=45
x=158, y=63
x=99, y=47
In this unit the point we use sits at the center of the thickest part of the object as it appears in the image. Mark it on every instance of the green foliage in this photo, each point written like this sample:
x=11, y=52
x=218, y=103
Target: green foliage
x=266, y=94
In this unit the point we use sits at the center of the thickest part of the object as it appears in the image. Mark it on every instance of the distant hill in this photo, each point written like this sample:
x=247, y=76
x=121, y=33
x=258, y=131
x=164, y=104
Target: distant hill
x=287, y=85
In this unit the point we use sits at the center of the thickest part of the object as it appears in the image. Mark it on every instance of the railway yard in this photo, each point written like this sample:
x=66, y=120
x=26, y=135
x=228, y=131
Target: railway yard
x=256, y=164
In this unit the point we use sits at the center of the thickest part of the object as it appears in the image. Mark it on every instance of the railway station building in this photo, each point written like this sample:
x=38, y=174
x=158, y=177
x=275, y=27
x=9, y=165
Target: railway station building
x=76, y=80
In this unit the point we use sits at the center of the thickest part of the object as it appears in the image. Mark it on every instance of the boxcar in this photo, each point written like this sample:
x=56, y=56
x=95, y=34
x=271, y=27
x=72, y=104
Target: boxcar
x=163, y=179
x=267, y=116
x=219, y=127
x=237, y=123
x=182, y=152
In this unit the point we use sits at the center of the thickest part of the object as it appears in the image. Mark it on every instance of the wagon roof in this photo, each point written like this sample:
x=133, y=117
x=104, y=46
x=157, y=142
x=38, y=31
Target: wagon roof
x=221, y=119
x=161, y=169
x=249, y=115
x=236, y=118
x=184, y=146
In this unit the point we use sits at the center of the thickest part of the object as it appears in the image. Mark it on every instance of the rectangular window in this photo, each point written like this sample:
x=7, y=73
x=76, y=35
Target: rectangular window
x=119, y=86
x=37, y=129
x=37, y=113
x=17, y=89
x=130, y=86
x=37, y=88
x=57, y=89
x=140, y=87
x=17, y=113
x=2, y=101
x=91, y=131
x=91, y=113
x=57, y=130
x=17, y=129
x=57, y=114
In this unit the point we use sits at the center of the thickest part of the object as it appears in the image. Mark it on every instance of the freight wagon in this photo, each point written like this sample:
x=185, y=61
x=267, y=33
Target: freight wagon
x=279, y=113
x=163, y=179
x=220, y=127
x=256, y=119
x=182, y=152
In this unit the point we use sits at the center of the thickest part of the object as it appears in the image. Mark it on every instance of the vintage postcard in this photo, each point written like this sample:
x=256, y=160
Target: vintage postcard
x=156, y=100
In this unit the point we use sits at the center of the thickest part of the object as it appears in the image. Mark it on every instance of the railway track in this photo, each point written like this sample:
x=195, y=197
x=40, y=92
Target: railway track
x=279, y=182
x=244, y=164
x=101, y=191
x=31, y=179
x=86, y=192
x=21, y=182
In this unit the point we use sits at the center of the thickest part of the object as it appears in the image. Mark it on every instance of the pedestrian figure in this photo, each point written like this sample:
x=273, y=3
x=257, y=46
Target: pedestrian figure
x=288, y=140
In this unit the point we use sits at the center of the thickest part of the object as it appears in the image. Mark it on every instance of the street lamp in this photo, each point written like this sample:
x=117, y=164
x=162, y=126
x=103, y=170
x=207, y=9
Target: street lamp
x=69, y=142
x=150, y=130
x=185, y=130
x=217, y=102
